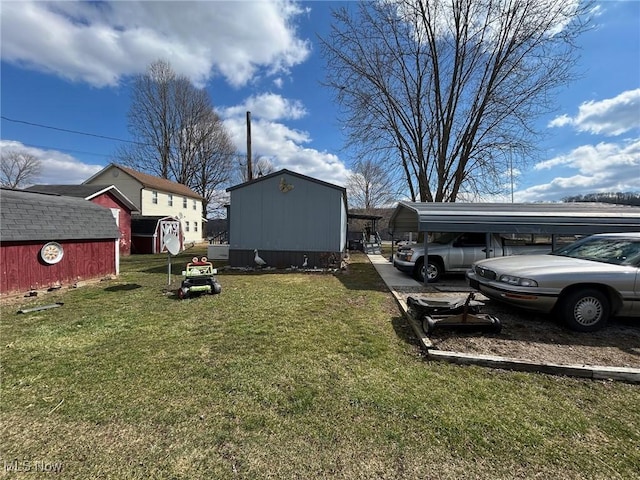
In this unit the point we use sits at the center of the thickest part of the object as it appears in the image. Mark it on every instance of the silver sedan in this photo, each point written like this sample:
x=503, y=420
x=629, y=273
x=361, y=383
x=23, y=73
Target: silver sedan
x=583, y=283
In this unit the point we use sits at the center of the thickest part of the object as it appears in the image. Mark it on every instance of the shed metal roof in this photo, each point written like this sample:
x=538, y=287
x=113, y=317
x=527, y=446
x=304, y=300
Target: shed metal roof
x=550, y=218
x=30, y=216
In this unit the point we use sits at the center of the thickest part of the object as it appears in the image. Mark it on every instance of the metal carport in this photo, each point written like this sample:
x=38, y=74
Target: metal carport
x=540, y=218
x=550, y=218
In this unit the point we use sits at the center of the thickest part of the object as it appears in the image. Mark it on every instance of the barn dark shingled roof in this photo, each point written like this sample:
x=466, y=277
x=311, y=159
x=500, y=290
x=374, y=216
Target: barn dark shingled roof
x=82, y=191
x=29, y=216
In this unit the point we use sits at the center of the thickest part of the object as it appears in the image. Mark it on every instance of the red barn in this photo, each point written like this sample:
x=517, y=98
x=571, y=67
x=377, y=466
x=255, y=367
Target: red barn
x=106, y=195
x=49, y=241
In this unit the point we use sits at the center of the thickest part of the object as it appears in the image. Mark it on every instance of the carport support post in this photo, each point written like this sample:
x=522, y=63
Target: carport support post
x=487, y=245
x=425, y=241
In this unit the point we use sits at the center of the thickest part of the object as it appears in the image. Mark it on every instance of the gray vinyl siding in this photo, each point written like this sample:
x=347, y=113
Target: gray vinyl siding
x=309, y=217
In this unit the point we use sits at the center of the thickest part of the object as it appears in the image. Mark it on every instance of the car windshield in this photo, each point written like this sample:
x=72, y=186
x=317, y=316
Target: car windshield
x=614, y=250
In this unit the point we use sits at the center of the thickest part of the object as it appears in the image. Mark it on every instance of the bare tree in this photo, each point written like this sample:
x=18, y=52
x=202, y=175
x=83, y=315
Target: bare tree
x=178, y=135
x=448, y=88
x=18, y=168
x=261, y=166
x=370, y=186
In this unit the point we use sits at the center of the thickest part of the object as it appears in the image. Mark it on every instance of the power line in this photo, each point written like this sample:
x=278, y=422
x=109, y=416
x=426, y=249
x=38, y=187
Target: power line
x=49, y=147
x=70, y=131
x=33, y=124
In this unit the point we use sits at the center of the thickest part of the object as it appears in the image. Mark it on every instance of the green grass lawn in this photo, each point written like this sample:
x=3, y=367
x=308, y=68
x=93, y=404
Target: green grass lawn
x=283, y=375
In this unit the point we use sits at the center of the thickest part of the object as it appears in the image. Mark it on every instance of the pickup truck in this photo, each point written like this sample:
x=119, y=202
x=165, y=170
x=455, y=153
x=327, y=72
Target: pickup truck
x=455, y=252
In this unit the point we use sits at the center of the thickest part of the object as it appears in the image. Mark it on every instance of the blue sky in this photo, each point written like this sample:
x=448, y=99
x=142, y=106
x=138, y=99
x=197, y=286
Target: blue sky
x=68, y=65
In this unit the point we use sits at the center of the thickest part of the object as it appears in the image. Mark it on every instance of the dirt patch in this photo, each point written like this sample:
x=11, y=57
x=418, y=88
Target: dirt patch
x=535, y=337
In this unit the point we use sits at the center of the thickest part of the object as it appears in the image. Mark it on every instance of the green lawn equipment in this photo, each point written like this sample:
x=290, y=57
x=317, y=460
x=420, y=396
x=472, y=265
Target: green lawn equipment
x=199, y=277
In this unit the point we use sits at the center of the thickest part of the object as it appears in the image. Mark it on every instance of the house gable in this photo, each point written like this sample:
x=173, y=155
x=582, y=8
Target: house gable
x=156, y=196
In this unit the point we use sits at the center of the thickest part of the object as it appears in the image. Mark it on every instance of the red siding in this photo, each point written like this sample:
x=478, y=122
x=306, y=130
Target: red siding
x=22, y=268
x=124, y=222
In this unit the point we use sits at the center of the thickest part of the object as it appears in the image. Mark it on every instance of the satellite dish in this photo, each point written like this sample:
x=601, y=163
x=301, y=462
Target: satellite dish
x=173, y=244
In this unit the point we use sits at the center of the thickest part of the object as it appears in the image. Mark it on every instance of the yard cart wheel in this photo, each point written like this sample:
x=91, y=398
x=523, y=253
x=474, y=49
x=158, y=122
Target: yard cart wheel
x=183, y=293
x=428, y=324
x=585, y=310
x=496, y=324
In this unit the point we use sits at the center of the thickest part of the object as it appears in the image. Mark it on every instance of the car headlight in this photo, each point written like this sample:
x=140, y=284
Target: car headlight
x=513, y=280
x=405, y=255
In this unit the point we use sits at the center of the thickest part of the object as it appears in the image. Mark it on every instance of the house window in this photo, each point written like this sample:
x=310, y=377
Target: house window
x=186, y=226
x=195, y=226
x=194, y=204
x=184, y=202
x=170, y=200
x=154, y=197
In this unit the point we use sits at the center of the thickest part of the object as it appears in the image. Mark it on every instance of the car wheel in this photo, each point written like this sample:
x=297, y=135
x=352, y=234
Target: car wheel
x=434, y=270
x=585, y=310
x=183, y=293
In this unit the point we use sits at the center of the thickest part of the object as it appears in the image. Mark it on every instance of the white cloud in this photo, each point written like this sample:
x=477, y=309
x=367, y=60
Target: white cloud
x=100, y=42
x=284, y=146
x=612, y=116
x=56, y=167
x=605, y=167
x=267, y=106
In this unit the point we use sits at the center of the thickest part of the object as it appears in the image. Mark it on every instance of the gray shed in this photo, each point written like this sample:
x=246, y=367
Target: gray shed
x=285, y=216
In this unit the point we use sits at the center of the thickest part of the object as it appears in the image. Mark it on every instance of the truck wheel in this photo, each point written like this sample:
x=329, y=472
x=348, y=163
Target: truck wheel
x=585, y=310
x=183, y=293
x=434, y=270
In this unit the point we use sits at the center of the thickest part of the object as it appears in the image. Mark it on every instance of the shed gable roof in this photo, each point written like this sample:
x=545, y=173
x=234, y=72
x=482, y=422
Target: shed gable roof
x=287, y=172
x=284, y=171
x=30, y=216
x=151, y=181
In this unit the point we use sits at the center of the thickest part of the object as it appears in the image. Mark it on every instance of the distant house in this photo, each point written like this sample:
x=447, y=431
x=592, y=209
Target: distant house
x=287, y=215
x=156, y=197
x=48, y=241
x=106, y=195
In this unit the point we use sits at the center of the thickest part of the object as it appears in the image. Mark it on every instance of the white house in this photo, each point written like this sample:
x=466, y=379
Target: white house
x=156, y=197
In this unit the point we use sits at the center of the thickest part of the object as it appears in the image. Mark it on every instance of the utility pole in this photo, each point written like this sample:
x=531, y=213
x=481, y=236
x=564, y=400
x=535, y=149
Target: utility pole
x=249, y=169
x=511, y=170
